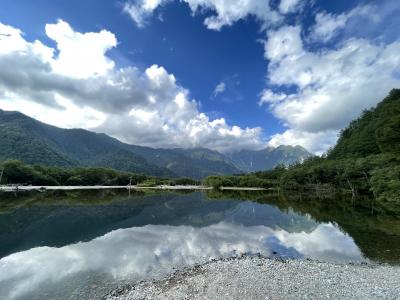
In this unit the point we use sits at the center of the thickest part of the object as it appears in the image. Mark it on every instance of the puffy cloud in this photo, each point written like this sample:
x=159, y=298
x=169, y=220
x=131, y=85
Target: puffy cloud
x=326, y=88
x=157, y=129
x=289, y=6
x=316, y=142
x=11, y=40
x=316, y=90
x=81, y=55
x=227, y=12
x=79, y=85
x=154, y=250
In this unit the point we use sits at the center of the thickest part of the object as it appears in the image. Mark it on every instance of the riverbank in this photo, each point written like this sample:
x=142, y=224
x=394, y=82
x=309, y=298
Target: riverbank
x=233, y=188
x=263, y=278
x=16, y=188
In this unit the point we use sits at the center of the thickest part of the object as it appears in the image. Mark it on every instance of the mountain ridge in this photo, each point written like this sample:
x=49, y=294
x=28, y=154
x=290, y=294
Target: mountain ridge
x=34, y=142
x=268, y=158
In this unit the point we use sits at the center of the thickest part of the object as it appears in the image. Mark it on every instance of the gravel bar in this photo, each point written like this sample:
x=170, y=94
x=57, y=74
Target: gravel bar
x=263, y=278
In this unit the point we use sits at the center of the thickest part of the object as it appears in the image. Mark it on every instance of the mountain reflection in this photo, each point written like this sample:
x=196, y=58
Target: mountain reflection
x=149, y=251
x=58, y=220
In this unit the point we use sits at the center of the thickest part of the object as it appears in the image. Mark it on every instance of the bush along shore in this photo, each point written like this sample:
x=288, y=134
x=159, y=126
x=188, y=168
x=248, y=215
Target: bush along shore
x=16, y=173
x=17, y=176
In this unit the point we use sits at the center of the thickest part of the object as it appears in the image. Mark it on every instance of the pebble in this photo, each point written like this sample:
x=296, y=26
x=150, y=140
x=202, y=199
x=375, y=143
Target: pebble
x=263, y=278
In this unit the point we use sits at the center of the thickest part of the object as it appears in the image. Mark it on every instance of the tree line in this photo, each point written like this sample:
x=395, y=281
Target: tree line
x=18, y=173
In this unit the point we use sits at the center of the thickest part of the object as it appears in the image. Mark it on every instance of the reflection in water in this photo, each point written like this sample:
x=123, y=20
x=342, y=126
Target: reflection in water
x=56, y=245
x=152, y=250
x=58, y=222
x=375, y=232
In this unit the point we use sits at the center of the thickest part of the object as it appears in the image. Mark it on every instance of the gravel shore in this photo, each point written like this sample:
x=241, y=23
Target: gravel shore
x=262, y=278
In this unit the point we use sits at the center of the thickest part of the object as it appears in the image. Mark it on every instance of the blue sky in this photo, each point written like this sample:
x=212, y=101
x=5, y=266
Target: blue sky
x=268, y=94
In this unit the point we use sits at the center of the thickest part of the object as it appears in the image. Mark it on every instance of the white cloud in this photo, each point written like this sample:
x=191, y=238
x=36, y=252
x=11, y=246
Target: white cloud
x=81, y=86
x=327, y=25
x=329, y=87
x=289, y=6
x=227, y=12
x=220, y=88
x=269, y=96
x=326, y=87
x=81, y=55
x=154, y=250
x=71, y=116
x=11, y=40
x=285, y=42
x=140, y=10
x=317, y=142
x=228, y=90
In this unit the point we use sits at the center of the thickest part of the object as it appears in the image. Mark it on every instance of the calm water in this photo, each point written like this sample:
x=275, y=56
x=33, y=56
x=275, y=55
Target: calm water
x=73, y=245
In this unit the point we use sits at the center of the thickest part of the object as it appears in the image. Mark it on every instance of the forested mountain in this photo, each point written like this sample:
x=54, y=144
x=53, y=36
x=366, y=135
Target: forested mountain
x=365, y=161
x=268, y=158
x=377, y=131
x=34, y=142
x=187, y=162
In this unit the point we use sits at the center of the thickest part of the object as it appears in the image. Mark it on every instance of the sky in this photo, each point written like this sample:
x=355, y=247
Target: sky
x=221, y=74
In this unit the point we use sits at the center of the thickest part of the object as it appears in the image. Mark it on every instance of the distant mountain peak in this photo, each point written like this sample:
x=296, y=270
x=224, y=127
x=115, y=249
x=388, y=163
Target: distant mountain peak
x=269, y=157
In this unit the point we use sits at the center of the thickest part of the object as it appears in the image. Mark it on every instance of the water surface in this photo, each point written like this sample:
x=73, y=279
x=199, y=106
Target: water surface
x=64, y=245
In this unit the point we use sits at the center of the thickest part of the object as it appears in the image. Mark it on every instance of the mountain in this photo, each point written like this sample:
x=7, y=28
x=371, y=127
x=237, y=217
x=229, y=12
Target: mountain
x=194, y=163
x=34, y=142
x=252, y=161
x=26, y=139
x=377, y=131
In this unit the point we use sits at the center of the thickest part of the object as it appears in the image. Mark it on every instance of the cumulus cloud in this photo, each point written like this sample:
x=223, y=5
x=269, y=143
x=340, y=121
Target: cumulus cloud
x=79, y=85
x=80, y=55
x=331, y=86
x=316, y=90
x=227, y=12
x=317, y=142
x=153, y=250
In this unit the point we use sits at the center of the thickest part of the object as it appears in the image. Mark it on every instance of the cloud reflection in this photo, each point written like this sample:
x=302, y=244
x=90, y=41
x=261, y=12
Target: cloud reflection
x=149, y=251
